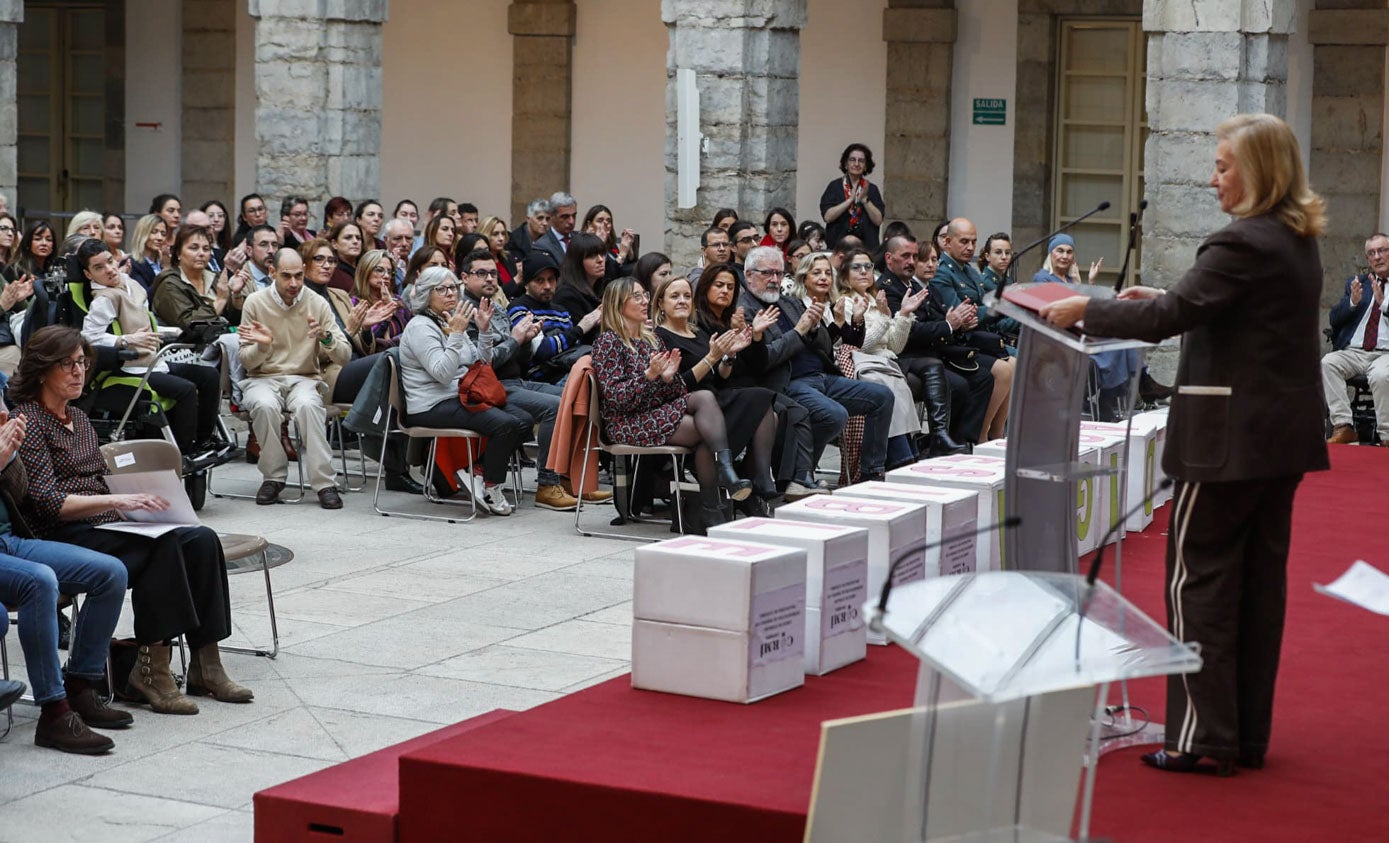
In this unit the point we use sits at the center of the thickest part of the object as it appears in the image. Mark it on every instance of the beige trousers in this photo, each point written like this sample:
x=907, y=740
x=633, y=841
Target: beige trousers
x=265, y=399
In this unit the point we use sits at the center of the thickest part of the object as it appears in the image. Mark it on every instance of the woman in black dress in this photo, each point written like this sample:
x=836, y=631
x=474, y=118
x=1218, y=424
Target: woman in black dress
x=707, y=362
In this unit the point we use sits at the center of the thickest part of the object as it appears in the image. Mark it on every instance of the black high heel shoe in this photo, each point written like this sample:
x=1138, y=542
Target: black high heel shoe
x=1187, y=762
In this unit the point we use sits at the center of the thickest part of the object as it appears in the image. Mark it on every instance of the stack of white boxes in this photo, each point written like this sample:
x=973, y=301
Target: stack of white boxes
x=949, y=512
x=1089, y=491
x=719, y=619
x=1108, y=488
x=836, y=583
x=974, y=472
x=896, y=535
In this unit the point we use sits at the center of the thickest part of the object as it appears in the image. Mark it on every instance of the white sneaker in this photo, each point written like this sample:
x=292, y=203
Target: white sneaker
x=495, y=501
x=796, y=491
x=470, y=486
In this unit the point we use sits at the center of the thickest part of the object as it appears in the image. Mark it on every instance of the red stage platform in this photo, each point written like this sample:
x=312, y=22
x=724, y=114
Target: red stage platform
x=614, y=764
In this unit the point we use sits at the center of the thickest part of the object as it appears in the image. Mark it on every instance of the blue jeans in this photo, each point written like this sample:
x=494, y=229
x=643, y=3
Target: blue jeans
x=831, y=399
x=32, y=574
x=541, y=401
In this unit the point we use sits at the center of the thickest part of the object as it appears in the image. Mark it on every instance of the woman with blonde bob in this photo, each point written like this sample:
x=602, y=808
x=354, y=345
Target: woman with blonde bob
x=645, y=402
x=1245, y=425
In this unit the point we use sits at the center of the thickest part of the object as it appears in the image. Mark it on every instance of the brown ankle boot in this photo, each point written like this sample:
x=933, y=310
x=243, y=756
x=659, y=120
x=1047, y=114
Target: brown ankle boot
x=152, y=679
x=206, y=676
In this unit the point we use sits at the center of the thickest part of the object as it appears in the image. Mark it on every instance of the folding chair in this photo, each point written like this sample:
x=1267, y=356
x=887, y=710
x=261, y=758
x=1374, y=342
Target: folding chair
x=594, y=441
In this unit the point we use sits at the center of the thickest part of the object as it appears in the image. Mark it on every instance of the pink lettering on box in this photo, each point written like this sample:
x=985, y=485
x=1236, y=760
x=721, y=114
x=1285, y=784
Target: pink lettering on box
x=716, y=548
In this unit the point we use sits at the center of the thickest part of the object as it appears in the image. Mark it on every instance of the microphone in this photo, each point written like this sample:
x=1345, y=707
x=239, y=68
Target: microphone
x=1134, y=220
x=1013, y=264
x=1104, y=542
x=1006, y=524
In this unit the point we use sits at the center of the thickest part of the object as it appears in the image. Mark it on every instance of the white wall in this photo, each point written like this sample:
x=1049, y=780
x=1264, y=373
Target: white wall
x=843, y=80
x=981, y=157
x=618, y=132
x=153, y=68
x=446, y=104
x=244, y=172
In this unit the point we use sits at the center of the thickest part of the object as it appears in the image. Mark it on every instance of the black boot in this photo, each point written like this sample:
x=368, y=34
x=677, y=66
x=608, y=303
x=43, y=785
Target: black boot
x=936, y=391
x=737, y=488
x=765, y=488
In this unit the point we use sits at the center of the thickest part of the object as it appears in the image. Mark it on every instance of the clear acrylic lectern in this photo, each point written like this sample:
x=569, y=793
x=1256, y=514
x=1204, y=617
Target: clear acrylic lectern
x=994, y=749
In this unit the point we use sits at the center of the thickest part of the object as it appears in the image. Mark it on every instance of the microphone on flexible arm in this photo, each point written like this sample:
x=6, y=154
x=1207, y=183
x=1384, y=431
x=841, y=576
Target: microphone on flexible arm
x=1098, y=561
x=1012, y=269
x=1006, y=524
x=1134, y=220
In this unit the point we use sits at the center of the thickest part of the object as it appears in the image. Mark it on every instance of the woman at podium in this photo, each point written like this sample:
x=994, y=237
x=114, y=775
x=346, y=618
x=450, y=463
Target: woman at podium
x=1245, y=425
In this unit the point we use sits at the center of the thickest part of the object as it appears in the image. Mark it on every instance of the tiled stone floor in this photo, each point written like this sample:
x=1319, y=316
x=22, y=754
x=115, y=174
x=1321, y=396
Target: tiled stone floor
x=389, y=627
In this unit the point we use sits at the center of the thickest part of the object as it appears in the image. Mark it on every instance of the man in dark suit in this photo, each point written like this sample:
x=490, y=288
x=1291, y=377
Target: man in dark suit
x=534, y=226
x=956, y=403
x=564, y=213
x=1360, y=340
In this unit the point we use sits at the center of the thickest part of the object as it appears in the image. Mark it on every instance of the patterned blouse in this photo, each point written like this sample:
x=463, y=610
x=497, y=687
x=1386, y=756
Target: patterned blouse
x=635, y=410
x=60, y=462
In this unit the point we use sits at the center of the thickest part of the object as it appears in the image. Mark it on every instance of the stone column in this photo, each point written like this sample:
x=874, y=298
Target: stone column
x=746, y=56
x=541, y=103
x=920, y=36
x=11, y=16
x=1207, y=60
x=318, y=99
x=1347, y=130
x=209, y=101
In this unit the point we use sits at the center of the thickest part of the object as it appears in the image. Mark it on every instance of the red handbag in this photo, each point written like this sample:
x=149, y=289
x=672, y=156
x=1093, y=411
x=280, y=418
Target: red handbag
x=479, y=389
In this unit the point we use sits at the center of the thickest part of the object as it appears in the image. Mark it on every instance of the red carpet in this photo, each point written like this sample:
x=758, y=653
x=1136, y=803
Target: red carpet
x=614, y=764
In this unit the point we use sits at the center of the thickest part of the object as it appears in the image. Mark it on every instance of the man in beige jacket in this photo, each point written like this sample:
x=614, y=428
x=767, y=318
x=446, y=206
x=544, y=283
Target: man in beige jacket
x=287, y=340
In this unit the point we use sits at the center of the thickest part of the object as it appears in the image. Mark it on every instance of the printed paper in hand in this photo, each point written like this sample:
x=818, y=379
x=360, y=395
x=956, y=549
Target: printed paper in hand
x=1362, y=584
x=167, y=485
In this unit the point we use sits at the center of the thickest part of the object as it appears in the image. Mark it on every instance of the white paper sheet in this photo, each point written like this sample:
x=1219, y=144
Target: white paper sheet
x=139, y=528
x=167, y=485
x=1363, y=585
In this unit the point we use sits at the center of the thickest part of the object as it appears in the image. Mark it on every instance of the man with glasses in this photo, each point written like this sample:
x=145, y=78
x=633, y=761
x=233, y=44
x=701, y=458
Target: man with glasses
x=742, y=237
x=714, y=245
x=399, y=234
x=287, y=340
x=800, y=363
x=263, y=241
x=511, y=351
x=1360, y=338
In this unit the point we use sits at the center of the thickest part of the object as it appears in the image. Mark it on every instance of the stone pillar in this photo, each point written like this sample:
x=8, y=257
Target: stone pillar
x=1347, y=151
x=318, y=99
x=209, y=101
x=920, y=36
x=541, y=103
x=11, y=16
x=746, y=57
x=1207, y=60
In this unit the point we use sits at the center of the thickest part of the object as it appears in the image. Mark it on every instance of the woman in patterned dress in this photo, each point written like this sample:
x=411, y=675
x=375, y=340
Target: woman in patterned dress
x=643, y=400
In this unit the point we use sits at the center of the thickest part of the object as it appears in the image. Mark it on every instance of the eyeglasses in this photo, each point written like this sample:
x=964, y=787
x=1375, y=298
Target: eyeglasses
x=748, y=239
x=861, y=267
x=641, y=295
x=1373, y=253
x=381, y=269
x=7, y=229
x=446, y=289
x=71, y=366
x=774, y=273
x=484, y=273
x=325, y=260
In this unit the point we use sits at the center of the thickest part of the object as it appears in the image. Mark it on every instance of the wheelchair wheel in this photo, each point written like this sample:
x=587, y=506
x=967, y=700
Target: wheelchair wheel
x=196, y=486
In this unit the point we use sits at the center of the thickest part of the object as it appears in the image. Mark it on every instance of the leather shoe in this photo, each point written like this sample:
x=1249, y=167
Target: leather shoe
x=328, y=498
x=403, y=482
x=93, y=709
x=1343, y=434
x=269, y=492
x=68, y=733
x=10, y=692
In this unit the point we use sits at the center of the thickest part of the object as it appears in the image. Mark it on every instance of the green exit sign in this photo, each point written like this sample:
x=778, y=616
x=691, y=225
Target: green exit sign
x=990, y=112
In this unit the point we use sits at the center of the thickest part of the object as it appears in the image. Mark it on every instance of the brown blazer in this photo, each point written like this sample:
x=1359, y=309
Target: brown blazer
x=1248, y=402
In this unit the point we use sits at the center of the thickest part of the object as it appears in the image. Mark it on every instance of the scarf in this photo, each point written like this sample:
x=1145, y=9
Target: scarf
x=855, y=209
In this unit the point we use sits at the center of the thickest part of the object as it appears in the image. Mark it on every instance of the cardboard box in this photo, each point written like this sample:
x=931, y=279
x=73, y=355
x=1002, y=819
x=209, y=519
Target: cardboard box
x=896, y=535
x=719, y=619
x=1108, y=488
x=976, y=472
x=1089, y=524
x=836, y=583
x=1156, y=421
x=949, y=512
x=1138, y=477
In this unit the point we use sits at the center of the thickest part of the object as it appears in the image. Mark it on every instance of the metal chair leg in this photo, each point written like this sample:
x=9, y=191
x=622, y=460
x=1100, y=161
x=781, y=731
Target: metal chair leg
x=274, y=627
